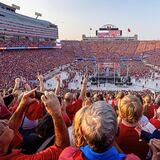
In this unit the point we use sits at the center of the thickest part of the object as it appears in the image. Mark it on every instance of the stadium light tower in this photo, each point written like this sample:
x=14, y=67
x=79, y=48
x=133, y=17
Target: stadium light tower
x=16, y=7
x=38, y=15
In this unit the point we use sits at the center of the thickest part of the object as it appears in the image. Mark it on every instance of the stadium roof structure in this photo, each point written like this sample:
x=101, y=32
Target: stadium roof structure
x=9, y=10
x=15, y=24
x=7, y=7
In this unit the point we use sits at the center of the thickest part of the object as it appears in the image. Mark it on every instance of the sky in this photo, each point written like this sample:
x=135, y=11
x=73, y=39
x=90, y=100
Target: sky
x=76, y=17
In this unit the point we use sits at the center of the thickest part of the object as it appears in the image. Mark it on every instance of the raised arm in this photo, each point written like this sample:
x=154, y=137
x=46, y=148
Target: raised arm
x=83, y=88
x=52, y=106
x=16, y=119
x=16, y=85
x=41, y=82
x=26, y=85
x=155, y=147
x=57, y=90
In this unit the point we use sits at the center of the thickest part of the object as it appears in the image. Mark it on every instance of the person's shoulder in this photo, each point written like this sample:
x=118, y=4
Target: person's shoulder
x=71, y=153
x=70, y=150
x=132, y=157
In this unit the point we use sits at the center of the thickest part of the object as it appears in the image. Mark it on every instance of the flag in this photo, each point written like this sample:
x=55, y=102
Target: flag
x=129, y=30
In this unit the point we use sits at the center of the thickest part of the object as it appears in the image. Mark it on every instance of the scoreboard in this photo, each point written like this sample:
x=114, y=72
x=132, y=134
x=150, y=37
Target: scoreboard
x=109, y=33
x=108, y=30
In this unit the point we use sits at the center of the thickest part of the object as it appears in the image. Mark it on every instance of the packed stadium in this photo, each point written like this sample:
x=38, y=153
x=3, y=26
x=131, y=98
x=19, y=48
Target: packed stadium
x=97, y=98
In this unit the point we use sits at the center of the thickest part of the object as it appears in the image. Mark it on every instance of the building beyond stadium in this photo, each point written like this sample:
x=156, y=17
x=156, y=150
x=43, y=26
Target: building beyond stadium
x=17, y=26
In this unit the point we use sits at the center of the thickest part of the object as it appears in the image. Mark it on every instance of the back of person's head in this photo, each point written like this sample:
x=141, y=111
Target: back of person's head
x=147, y=99
x=99, y=126
x=68, y=97
x=130, y=109
x=100, y=97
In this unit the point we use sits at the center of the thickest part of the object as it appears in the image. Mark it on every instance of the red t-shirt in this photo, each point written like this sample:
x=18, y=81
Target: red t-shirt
x=72, y=153
x=66, y=119
x=155, y=122
x=150, y=111
x=35, y=111
x=128, y=141
x=73, y=108
x=51, y=153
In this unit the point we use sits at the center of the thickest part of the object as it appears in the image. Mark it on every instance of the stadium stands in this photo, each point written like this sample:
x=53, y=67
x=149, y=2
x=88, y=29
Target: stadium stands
x=28, y=62
x=15, y=24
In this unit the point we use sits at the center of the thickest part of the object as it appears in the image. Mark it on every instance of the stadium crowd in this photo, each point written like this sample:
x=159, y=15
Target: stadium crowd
x=41, y=124
x=36, y=123
x=28, y=62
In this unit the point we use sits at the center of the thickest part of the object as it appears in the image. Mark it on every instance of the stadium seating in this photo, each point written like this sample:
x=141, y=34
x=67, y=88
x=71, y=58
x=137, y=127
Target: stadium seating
x=28, y=62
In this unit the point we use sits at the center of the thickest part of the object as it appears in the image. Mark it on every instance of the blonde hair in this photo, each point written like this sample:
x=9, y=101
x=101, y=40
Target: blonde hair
x=130, y=109
x=78, y=136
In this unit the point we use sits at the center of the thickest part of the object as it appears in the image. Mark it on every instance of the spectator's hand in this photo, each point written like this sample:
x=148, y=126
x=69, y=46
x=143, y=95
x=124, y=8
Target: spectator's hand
x=85, y=79
x=23, y=80
x=51, y=103
x=156, y=143
x=57, y=78
x=40, y=77
x=155, y=146
x=17, y=80
x=26, y=98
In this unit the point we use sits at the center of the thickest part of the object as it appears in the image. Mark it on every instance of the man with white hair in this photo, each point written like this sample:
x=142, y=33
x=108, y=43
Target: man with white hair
x=98, y=127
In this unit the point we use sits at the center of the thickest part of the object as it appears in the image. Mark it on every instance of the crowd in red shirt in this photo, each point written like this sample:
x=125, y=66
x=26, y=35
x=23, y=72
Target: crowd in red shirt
x=73, y=124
